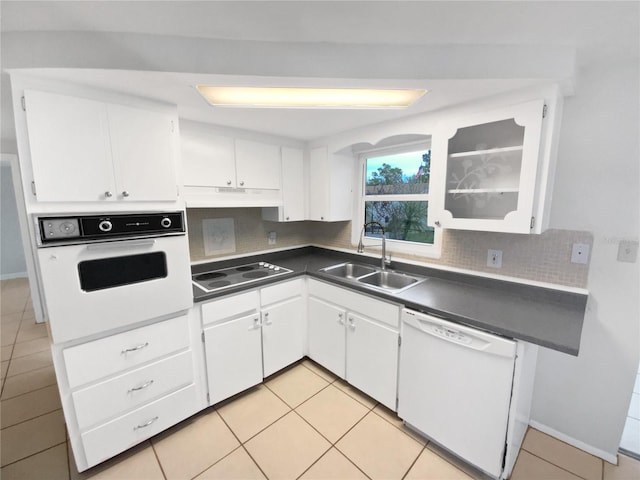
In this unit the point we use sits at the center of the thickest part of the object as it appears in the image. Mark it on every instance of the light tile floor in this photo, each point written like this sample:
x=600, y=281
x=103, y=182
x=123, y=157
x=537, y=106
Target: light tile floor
x=302, y=423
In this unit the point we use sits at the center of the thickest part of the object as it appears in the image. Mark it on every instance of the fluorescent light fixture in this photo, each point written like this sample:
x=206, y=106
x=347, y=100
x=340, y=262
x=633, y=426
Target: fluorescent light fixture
x=285, y=97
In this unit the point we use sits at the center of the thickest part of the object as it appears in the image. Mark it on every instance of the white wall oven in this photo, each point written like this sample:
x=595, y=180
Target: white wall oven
x=102, y=272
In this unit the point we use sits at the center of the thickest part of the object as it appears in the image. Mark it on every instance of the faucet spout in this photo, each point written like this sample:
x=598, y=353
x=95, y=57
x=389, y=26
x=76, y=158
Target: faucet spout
x=383, y=264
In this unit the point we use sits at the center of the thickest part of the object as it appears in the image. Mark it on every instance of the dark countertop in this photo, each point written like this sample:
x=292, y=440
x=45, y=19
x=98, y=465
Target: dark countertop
x=542, y=316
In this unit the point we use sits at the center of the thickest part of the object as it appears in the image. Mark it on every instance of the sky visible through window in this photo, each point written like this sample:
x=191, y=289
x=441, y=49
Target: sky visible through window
x=409, y=162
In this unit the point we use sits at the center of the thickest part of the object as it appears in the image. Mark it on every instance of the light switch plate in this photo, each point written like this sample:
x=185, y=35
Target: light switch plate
x=628, y=251
x=580, y=253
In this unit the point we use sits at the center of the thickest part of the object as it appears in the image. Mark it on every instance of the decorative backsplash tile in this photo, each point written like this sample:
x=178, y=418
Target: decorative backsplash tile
x=543, y=258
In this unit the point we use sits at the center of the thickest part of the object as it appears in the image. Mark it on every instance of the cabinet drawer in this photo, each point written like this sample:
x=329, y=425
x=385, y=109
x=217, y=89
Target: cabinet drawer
x=122, y=433
x=97, y=359
x=388, y=313
x=133, y=389
x=280, y=292
x=232, y=306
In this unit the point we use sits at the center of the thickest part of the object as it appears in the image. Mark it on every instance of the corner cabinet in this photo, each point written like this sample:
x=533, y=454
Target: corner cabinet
x=330, y=186
x=89, y=151
x=356, y=337
x=489, y=170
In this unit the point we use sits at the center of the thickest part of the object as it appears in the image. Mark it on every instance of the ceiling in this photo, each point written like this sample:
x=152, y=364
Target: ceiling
x=457, y=50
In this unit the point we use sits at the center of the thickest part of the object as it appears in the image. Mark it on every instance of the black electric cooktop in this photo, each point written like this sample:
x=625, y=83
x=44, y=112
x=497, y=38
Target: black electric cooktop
x=228, y=277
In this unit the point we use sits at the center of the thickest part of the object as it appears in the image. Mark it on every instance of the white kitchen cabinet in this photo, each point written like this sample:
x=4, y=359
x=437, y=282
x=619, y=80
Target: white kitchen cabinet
x=330, y=186
x=257, y=165
x=252, y=335
x=372, y=358
x=234, y=356
x=282, y=335
x=293, y=191
x=86, y=151
x=356, y=337
x=327, y=336
x=488, y=170
x=208, y=159
x=121, y=389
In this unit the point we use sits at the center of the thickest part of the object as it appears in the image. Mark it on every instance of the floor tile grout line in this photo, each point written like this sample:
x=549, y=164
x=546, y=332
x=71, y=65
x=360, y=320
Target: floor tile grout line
x=242, y=445
x=29, y=419
x=27, y=393
x=155, y=454
x=34, y=454
x=414, y=462
x=551, y=463
x=314, y=462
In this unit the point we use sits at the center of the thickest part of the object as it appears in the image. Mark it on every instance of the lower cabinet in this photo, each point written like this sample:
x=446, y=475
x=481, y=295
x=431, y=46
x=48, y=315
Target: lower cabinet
x=252, y=335
x=121, y=389
x=357, y=338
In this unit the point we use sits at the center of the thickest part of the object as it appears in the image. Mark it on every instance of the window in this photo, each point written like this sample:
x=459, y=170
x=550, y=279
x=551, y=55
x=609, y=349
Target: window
x=395, y=193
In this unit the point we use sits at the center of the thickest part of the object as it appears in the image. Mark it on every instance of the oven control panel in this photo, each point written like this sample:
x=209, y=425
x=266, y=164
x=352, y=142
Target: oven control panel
x=89, y=228
x=57, y=228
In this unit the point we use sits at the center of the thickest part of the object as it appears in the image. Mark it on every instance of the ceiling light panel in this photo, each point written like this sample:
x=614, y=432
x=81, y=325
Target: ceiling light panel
x=284, y=97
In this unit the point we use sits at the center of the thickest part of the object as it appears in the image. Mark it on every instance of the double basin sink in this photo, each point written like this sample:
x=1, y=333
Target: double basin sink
x=368, y=276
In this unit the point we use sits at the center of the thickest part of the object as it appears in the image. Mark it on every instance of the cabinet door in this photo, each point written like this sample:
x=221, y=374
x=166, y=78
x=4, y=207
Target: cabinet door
x=330, y=177
x=234, y=357
x=326, y=333
x=292, y=185
x=144, y=151
x=319, y=184
x=208, y=160
x=484, y=170
x=282, y=335
x=257, y=165
x=70, y=151
x=372, y=359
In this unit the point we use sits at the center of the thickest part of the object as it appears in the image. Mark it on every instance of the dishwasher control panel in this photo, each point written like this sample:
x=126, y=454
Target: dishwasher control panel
x=451, y=334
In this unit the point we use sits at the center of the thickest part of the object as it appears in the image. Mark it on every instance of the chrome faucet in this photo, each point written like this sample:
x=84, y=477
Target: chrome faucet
x=383, y=260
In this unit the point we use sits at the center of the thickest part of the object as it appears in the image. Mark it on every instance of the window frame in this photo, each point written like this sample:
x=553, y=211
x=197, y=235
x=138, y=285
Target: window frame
x=433, y=250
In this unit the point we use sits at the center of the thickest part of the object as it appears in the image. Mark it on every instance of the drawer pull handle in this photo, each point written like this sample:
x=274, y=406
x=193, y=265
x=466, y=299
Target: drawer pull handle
x=141, y=387
x=144, y=425
x=133, y=349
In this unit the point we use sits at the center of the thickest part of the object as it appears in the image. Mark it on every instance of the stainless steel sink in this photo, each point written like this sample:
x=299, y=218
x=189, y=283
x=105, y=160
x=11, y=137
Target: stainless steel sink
x=373, y=277
x=351, y=271
x=392, y=281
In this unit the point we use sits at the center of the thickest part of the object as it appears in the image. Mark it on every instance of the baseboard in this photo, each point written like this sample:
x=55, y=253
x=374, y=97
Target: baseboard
x=10, y=276
x=613, y=459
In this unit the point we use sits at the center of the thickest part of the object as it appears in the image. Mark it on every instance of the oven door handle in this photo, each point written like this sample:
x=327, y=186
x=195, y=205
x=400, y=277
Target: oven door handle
x=117, y=245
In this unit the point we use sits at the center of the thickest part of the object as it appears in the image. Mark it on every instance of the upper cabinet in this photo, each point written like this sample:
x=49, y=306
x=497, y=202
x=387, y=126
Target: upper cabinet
x=490, y=170
x=293, y=192
x=220, y=170
x=330, y=178
x=89, y=151
x=257, y=165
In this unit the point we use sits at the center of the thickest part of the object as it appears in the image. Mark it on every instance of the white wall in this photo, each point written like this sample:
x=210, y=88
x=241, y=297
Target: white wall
x=586, y=398
x=12, y=262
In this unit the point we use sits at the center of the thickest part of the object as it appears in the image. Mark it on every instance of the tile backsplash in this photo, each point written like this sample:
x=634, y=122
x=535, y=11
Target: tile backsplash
x=544, y=258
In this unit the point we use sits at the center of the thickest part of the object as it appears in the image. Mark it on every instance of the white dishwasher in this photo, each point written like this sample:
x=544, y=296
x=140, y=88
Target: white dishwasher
x=455, y=387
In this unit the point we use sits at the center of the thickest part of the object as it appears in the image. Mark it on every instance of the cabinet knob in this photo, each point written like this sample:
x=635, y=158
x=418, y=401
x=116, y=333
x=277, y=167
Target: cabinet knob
x=125, y=194
x=321, y=218
x=352, y=324
x=287, y=218
x=437, y=223
x=108, y=194
x=241, y=183
x=228, y=182
x=340, y=320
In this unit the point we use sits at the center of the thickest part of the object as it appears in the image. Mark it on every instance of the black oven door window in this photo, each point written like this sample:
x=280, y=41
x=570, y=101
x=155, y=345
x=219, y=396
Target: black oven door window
x=112, y=272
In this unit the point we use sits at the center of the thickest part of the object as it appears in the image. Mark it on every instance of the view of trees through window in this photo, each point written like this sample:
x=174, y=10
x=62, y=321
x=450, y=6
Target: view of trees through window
x=389, y=180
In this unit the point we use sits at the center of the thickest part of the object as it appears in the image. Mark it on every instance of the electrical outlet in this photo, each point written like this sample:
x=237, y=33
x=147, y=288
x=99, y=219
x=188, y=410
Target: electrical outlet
x=272, y=237
x=580, y=253
x=628, y=251
x=494, y=258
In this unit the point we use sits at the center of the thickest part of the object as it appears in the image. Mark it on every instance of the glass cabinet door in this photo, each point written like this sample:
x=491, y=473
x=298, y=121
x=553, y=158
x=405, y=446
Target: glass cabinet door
x=487, y=165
